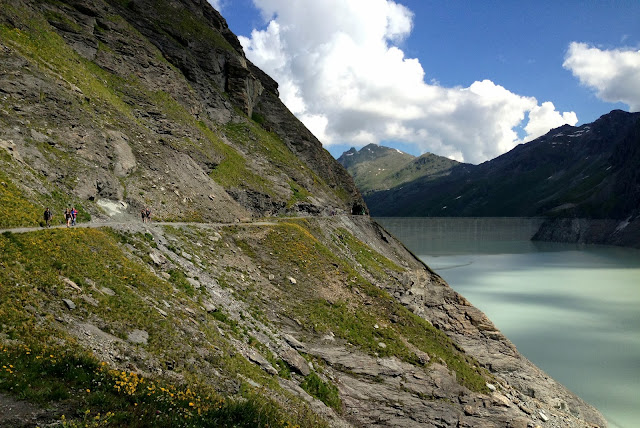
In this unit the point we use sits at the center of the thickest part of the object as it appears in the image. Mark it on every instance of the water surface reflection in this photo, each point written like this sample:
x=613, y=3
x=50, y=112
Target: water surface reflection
x=572, y=310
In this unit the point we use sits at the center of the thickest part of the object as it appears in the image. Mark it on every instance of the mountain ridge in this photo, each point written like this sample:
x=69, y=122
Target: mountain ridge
x=584, y=172
x=378, y=168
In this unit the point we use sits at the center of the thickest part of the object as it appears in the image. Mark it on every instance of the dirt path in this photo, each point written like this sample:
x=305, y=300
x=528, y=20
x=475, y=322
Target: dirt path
x=140, y=225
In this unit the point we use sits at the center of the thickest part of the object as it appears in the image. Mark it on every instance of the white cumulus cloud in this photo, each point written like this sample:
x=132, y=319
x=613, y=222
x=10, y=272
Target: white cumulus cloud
x=613, y=74
x=342, y=71
x=217, y=4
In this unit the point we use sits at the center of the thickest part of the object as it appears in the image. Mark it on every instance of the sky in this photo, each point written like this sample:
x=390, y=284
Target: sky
x=468, y=80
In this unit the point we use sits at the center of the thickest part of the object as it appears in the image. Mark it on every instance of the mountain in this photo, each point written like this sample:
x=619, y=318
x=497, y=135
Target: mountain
x=587, y=172
x=253, y=297
x=117, y=98
x=377, y=168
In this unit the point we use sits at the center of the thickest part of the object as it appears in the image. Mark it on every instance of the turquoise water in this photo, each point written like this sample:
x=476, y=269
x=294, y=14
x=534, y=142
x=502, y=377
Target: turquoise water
x=572, y=310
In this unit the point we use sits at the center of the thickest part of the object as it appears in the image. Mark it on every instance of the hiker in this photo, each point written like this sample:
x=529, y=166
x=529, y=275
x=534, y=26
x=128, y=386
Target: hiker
x=74, y=214
x=143, y=214
x=67, y=216
x=48, y=215
x=147, y=213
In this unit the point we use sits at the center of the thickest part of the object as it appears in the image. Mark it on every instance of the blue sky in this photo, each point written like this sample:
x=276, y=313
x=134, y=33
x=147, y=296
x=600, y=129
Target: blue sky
x=464, y=79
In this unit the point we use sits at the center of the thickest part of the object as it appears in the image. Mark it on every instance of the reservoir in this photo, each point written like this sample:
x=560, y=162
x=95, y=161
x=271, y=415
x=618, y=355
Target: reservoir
x=573, y=310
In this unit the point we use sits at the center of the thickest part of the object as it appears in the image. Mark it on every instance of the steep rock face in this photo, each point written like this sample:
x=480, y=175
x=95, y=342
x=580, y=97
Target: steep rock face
x=248, y=87
x=173, y=82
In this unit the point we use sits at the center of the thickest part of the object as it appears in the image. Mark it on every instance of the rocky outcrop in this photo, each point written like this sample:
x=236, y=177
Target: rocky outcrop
x=249, y=88
x=624, y=233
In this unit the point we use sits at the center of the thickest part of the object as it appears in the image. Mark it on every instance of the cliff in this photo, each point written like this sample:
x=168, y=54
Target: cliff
x=245, y=301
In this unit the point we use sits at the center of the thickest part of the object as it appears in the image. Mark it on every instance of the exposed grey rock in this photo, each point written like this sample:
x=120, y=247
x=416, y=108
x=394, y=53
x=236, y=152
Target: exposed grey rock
x=264, y=364
x=158, y=258
x=295, y=343
x=209, y=307
x=69, y=303
x=194, y=282
x=107, y=291
x=295, y=360
x=138, y=336
x=38, y=136
x=90, y=300
x=125, y=161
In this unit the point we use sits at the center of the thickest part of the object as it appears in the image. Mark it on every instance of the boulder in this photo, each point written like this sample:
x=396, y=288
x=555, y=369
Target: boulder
x=295, y=361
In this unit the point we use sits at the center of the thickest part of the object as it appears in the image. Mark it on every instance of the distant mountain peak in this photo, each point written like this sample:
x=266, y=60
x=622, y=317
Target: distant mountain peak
x=376, y=167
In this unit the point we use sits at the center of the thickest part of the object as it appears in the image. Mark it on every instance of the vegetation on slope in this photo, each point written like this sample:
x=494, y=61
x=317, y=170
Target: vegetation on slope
x=111, y=282
x=99, y=396
x=338, y=299
x=378, y=168
x=45, y=364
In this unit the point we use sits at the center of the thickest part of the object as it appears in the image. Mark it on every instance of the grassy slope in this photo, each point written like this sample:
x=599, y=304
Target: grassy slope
x=34, y=268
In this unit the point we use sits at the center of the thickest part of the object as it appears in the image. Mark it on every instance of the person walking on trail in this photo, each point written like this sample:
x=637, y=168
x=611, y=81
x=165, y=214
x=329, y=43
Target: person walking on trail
x=74, y=214
x=143, y=215
x=48, y=215
x=147, y=213
x=67, y=216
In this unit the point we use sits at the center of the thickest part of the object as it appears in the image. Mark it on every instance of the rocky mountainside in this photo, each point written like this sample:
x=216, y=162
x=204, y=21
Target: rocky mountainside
x=253, y=297
x=154, y=103
x=587, y=172
x=376, y=168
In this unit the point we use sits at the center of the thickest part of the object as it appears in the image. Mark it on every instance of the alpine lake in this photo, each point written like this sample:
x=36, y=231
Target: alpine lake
x=573, y=310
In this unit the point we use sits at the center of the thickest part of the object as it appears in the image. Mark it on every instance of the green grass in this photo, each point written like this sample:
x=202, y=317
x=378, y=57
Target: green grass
x=33, y=265
x=256, y=140
x=15, y=208
x=369, y=259
x=107, y=397
x=298, y=194
x=323, y=391
x=354, y=315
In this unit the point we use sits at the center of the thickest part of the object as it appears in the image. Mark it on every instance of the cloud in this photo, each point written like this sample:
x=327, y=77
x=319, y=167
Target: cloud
x=545, y=116
x=217, y=4
x=342, y=71
x=613, y=74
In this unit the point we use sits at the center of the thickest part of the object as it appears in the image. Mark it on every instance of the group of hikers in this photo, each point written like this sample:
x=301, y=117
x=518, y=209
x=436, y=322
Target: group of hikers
x=146, y=215
x=70, y=216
